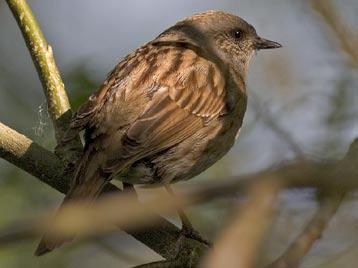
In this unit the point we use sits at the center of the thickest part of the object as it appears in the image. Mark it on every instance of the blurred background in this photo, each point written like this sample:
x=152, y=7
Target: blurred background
x=302, y=102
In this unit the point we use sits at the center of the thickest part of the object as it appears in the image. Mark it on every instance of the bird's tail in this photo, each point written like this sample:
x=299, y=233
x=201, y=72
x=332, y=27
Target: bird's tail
x=86, y=190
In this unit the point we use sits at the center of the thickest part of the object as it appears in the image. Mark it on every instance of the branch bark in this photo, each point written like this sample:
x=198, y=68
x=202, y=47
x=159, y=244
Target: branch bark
x=50, y=168
x=53, y=87
x=32, y=158
x=163, y=238
x=41, y=163
x=46, y=166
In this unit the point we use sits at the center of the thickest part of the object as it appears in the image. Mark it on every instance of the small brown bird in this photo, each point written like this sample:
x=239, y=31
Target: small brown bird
x=169, y=110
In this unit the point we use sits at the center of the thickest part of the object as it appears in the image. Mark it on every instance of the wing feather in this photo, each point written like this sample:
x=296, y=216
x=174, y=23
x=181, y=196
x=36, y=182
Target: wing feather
x=177, y=111
x=185, y=98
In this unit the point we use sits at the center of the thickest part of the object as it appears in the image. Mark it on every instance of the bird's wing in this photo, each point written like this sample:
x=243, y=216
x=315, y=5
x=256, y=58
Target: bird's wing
x=88, y=109
x=186, y=99
x=117, y=80
x=155, y=108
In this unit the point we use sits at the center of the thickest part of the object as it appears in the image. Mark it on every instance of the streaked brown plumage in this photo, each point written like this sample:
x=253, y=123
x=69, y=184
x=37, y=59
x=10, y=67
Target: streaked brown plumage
x=169, y=110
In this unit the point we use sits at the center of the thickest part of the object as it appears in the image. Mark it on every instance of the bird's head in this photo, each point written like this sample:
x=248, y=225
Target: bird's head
x=226, y=36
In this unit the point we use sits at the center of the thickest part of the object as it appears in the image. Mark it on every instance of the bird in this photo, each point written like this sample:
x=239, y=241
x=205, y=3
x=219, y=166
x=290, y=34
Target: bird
x=167, y=111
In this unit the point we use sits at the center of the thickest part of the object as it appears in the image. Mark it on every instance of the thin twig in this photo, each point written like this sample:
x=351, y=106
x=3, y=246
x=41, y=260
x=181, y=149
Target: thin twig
x=163, y=264
x=53, y=87
x=240, y=244
x=19, y=150
x=293, y=256
x=271, y=121
x=347, y=38
x=124, y=210
x=329, y=203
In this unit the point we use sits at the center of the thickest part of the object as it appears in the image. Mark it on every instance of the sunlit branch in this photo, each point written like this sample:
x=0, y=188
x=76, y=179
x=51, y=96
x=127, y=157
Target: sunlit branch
x=47, y=167
x=53, y=87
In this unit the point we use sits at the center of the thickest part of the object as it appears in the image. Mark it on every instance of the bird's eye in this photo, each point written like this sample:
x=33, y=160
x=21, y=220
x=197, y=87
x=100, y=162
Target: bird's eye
x=238, y=34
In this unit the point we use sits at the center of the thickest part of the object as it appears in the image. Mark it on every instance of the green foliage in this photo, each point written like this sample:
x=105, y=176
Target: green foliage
x=81, y=85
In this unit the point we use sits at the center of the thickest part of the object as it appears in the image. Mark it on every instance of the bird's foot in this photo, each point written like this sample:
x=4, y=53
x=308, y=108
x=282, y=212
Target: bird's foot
x=190, y=232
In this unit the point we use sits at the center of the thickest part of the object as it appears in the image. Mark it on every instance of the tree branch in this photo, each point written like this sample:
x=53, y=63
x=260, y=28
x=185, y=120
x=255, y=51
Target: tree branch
x=240, y=244
x=32, y=158
x=329, y=204
x=329, y=200
x=41, y=163
x=162, y=264
x=292, y=257
x=46, y=166
x=53, y=87
x=347, y=38
x=49, y=168
x=163, y=238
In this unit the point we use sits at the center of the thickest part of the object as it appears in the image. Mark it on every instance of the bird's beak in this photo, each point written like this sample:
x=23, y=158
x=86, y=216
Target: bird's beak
x=261, y=43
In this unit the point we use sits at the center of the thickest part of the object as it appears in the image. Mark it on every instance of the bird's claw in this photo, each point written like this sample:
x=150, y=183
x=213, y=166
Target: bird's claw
x=191, y=233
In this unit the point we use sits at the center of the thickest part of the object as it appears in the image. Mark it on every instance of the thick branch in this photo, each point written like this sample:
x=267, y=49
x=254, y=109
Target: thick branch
x=20, y=151
x=46, y=166
x=32, y=158
x=42, y=56
x=41, y=163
